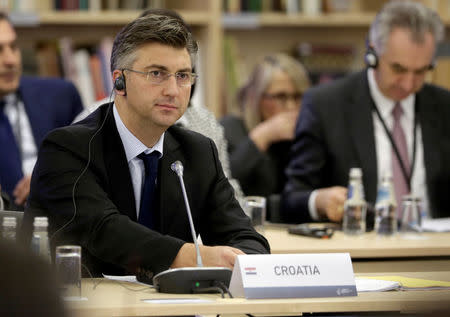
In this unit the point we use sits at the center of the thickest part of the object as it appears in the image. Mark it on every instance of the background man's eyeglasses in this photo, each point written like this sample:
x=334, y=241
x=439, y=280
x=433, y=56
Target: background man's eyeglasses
x=158, y=77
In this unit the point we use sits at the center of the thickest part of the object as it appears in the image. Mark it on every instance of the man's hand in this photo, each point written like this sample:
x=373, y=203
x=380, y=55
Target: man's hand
x=222, y=256
x=22, y=190
x=330, y=202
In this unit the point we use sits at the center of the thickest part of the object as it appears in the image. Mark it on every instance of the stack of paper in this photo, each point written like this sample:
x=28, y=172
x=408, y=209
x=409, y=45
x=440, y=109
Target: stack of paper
x=387, y=283
x=436, y=225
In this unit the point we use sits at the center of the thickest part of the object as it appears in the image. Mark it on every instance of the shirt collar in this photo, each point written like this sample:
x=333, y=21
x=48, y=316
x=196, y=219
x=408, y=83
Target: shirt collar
x=132, y=145
x=384, y=104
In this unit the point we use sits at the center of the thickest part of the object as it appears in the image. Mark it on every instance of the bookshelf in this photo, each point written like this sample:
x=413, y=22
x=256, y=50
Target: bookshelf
x=252, y=34
x=89, y=27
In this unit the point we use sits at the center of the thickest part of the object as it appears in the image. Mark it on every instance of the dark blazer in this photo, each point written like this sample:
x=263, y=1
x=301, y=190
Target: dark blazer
x=259, y=173
x=335, y=132
x=49, y=104
x=105, y=223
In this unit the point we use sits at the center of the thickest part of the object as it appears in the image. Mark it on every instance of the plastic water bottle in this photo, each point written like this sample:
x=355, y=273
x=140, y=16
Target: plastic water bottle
x=9, y=228
x=386, y=208
x=355, y=207
x=40, y=244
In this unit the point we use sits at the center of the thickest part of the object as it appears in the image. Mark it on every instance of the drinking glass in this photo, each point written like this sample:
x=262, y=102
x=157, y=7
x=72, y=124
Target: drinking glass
x=411, y=221
x=68, y=268
x=255, y=208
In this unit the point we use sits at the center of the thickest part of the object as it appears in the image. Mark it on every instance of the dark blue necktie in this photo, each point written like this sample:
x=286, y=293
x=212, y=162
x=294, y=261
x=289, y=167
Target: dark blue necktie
x=10, y=161
x=146, y=211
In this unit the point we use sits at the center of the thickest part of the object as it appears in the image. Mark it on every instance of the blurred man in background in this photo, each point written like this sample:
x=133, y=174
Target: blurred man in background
x=29, y=109
x=382, y=119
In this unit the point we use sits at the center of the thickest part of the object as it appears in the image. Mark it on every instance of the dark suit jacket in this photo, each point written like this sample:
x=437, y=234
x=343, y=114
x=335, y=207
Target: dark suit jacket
x=49, y=104
x=335, y=132
x=259, y=173
x=105, y=222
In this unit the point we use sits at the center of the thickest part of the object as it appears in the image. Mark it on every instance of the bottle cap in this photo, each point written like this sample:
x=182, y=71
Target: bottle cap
x=355, y=172
x=9, y=221
x=40, y=221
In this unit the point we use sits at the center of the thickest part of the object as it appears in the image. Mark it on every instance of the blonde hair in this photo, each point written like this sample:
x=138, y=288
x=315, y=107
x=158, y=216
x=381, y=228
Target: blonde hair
x=249, y=96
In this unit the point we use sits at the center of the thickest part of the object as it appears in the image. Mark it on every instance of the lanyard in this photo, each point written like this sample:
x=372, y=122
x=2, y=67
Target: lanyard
x=407, y=175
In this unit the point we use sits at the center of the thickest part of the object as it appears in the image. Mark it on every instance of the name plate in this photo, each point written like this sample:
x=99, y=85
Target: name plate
x=293, y=276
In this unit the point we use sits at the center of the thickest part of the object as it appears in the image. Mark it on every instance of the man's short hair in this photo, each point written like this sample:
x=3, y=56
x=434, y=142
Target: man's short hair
x=409, y=15
x=151, y=28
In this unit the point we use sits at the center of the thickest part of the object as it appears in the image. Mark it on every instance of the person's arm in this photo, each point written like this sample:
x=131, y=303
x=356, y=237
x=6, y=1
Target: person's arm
x=306, y=173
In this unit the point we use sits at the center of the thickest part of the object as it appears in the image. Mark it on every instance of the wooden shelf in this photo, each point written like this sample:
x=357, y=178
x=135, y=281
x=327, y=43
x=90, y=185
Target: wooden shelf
x=324, y=20
x=233, y=21
x=194, y=18
x=343, y=20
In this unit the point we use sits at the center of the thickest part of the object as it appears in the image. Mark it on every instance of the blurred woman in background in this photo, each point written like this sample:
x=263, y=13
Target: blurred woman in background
x=259, y=143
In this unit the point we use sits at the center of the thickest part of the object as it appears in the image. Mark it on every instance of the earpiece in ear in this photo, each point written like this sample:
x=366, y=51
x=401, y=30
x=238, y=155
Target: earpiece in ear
x=119, y=83
x=371, y=58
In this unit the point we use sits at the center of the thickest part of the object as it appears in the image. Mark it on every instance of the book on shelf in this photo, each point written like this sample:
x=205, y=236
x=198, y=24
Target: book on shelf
x=98, y=5
x=104, y=53
x=48, y=60
x=95, y=67
x=325, y=62
x=66, y=50
x=262, y=6
x=83, y=80
x=234, y=73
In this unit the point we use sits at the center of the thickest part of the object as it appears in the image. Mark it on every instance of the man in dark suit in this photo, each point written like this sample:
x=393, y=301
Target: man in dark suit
x=95, y=180
x=353, y=122
x=29, y=109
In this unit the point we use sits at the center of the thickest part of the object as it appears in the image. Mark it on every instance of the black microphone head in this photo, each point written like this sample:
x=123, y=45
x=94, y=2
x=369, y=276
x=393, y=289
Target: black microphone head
x=177, y=167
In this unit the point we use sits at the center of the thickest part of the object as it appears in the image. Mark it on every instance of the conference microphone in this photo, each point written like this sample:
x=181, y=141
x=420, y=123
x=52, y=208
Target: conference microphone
x=189, y=280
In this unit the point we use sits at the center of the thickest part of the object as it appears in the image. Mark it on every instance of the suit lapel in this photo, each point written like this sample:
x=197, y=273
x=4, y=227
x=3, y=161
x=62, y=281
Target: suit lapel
x=170, y=196
x=360, y=122
x=121, y=187
x=429, y=121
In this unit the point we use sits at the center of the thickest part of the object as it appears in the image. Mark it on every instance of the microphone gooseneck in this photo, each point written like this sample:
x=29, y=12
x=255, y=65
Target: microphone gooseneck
x=177, y=167
x=188, y=280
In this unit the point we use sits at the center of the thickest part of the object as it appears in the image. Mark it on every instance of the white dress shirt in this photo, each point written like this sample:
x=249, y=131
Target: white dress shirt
x=383, y=146
x=17, y=116
x=133, y=147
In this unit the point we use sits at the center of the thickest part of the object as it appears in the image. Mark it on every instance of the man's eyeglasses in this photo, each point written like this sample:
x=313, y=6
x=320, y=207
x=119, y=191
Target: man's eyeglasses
x=283, y=98
x=158, y=76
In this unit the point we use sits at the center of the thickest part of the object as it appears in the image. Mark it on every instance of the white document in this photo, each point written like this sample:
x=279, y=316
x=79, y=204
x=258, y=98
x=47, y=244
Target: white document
x=436, y=225
x=371, y=285
x=121, y=278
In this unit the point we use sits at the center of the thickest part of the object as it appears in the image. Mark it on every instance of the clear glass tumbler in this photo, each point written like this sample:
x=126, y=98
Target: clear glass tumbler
x=255, y=208
x=411, y=220
x=68, y=268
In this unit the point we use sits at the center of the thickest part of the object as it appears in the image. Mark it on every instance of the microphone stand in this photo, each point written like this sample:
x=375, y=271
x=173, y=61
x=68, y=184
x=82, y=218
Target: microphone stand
x=189, y=280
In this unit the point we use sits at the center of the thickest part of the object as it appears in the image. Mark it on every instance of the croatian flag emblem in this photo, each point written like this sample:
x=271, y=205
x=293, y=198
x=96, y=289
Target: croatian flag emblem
x=250, y=270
